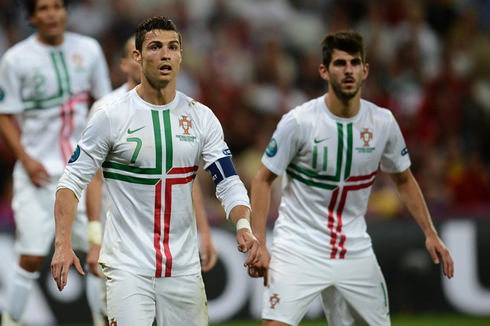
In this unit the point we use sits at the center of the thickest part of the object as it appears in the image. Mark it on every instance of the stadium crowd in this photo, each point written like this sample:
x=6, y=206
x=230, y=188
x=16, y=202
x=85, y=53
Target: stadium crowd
x=251, y=61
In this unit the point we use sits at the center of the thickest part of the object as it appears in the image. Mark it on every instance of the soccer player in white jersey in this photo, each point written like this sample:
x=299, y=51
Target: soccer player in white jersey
x=149, y=143
x=46, y=84
x=329, y=150
x=208, y=254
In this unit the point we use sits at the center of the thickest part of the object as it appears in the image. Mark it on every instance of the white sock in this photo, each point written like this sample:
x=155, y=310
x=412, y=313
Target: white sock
x=19, y=291
x=93, y=298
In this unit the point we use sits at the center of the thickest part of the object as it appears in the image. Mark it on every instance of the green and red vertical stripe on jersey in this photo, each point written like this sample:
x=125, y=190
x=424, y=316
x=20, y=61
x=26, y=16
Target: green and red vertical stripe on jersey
x=340, y=188
x=67, y=122
x=156, y=177
x=64, y=100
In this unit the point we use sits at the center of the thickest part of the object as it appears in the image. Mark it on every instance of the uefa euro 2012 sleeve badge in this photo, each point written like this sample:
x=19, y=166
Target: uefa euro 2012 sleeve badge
x=271, y=148
x=75, y=155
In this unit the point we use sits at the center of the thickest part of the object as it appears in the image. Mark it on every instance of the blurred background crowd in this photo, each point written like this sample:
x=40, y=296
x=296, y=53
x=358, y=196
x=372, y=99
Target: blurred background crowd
x=251, y=61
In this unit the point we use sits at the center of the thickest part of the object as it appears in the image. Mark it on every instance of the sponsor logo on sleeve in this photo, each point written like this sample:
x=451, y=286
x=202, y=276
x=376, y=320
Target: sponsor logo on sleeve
x=404, y=151
x=271, y=148
x=75, y=155
x=227, y=152
x=2, y=94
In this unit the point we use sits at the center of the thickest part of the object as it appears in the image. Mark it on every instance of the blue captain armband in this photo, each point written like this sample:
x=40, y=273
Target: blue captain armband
x=221, y=169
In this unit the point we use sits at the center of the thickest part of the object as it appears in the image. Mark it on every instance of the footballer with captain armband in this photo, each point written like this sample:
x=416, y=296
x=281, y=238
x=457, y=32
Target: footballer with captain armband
x=149, y=143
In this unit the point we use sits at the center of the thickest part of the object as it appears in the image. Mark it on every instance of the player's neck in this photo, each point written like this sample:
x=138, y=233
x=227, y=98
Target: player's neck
x=131, y=84
x=51, y=40
x=156, y=95
x=341, y=107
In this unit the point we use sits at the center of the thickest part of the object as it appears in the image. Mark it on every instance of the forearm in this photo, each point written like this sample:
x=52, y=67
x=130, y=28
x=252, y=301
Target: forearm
x=412, y=197
x=94, y=197
x=11, y=136
x=260, y=199
x=238, y=212
x=65, y=210
x=201, y=219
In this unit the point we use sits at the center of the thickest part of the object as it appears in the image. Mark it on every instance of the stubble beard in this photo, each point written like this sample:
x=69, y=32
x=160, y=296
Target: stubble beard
x=342, y=94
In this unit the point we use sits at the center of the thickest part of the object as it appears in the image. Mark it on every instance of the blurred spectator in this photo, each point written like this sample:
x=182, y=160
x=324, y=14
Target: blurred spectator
x=251, y=61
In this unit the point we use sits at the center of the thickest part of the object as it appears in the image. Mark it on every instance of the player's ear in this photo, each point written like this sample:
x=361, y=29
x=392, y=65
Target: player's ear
x=137, y=56
x=33, y=20
x=365, y=71
x=323, y=70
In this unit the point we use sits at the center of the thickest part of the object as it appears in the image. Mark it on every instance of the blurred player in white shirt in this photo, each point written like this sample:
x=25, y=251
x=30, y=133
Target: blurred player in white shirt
x=47, y=82
x=329, y=150
x=149, y=144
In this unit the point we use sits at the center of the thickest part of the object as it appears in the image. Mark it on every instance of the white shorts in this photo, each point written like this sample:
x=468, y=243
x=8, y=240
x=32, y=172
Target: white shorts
x=353, y=291
x=137, y=300
x=33, y=209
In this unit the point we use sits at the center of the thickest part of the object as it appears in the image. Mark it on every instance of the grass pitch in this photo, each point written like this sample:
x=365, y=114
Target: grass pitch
x=398, y=320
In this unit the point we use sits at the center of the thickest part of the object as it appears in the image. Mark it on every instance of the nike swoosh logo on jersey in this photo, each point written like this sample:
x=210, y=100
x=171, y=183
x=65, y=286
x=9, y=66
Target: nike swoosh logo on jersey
x=321, y=140
x=133, y=131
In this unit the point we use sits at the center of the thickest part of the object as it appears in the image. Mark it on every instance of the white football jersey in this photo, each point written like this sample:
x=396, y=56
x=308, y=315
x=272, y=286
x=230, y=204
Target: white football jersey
x=150, y=156
x=115, y=94
x=330, y=164
x=49, y=88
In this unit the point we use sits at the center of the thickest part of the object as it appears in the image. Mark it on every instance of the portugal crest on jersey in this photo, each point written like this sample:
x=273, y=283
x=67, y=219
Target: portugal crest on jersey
x=185, y=124
x=366, y=136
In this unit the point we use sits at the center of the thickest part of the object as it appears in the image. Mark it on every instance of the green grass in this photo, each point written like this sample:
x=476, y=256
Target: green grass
x=398, y=320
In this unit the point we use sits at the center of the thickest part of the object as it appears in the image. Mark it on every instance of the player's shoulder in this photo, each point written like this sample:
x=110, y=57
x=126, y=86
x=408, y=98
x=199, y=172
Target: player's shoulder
x=20, y=49
x=190, y=102
x=79, y=40
x=193, y=105
x=305, y=113
x=115, y=94
x=376, y=111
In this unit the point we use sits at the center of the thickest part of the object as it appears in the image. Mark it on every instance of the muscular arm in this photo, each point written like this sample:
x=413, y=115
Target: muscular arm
x=260, y=197
x=413, y=199
x=94, y=207
x=11, y=136
x=65, y=210
x=208, y=251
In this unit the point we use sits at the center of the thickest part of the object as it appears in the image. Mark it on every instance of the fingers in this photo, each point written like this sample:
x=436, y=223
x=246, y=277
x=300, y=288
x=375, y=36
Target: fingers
x=434, y=256
x=56, y=272
x=254, y=254
x=40, y=176
x=94, y=269
x=266, y=277
x=447, y=264
x=60, y=267
x=41, y=179
x=440, y=252
x=257, y=272
x=78, y=266
x=208, y=261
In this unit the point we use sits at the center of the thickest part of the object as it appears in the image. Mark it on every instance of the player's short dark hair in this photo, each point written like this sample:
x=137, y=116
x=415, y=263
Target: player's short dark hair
x=346, y=40
x=125, y=51
x=31, y=6
x=156, y=22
